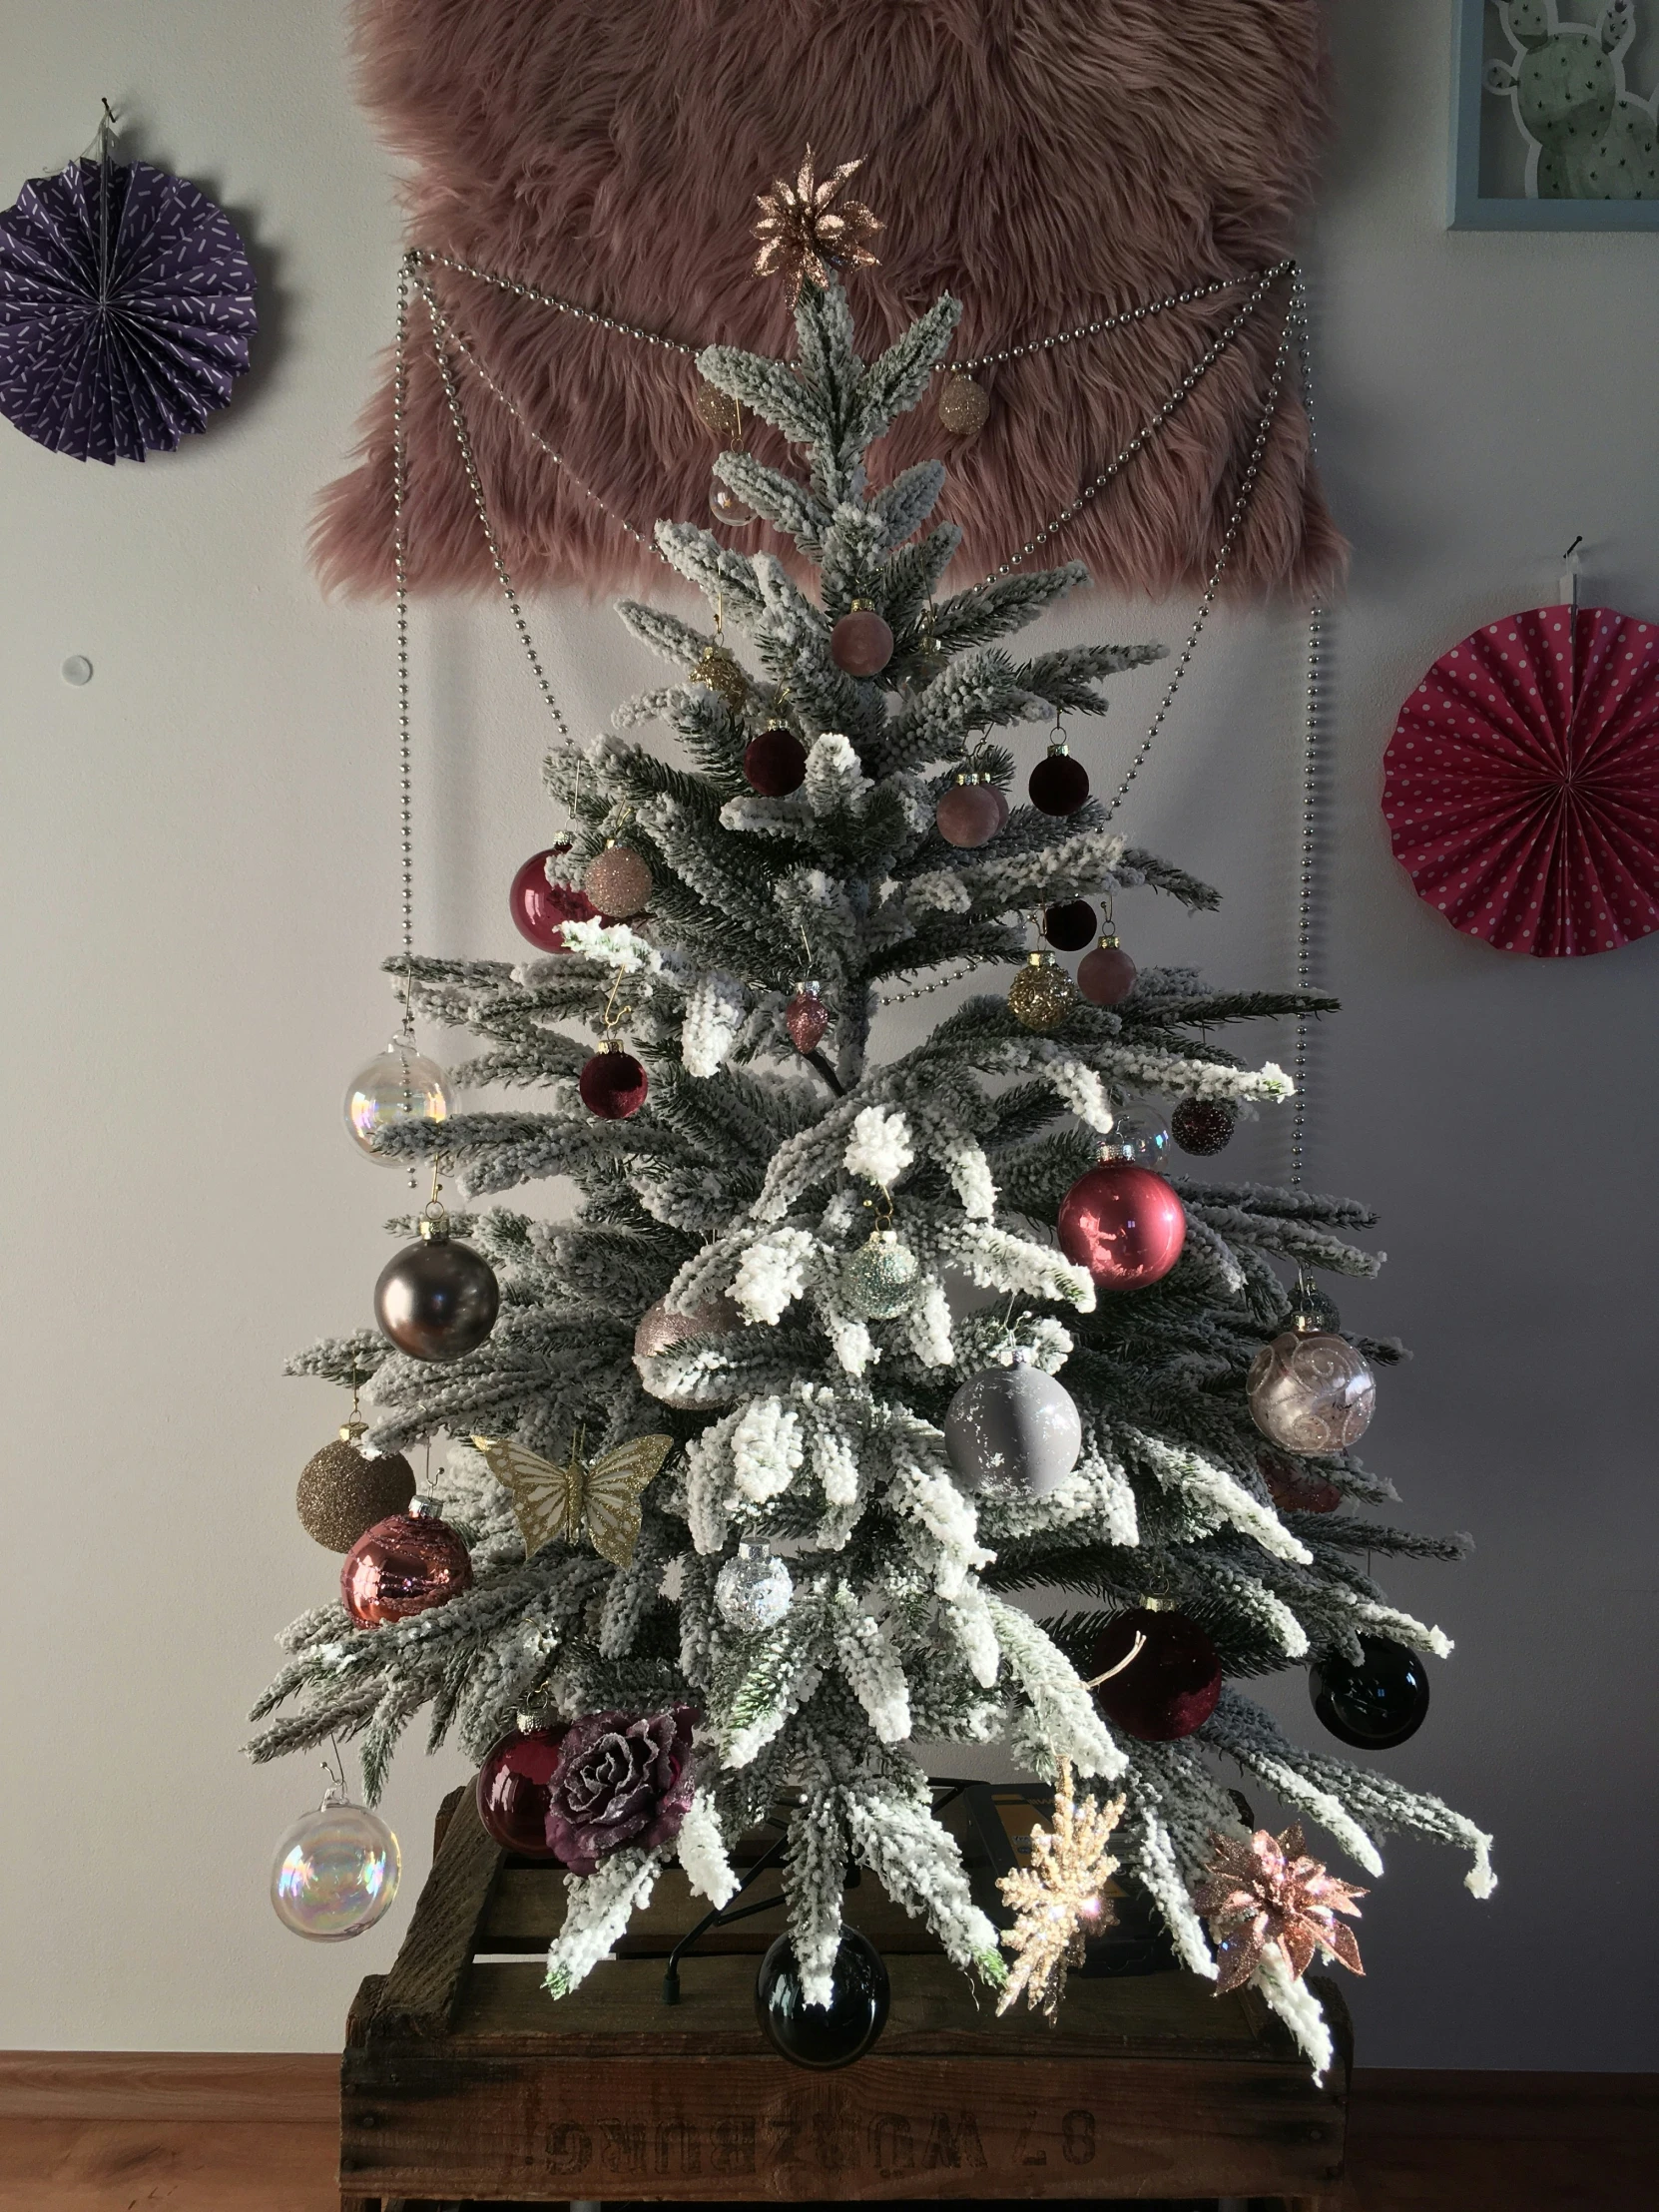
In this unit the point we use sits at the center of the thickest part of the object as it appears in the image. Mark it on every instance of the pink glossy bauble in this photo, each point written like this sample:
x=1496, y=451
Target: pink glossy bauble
x=512, y=1789
x=404, y=1566
x=970, y=814
x=860, y=643
x=1124, y=1224
x=1106, y=975
x=540, y=908
x=774, y=764
x=613, y=1085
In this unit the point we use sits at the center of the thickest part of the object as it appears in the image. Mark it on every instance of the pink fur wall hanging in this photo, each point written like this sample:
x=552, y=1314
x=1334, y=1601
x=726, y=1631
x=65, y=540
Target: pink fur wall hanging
x=1050, y=161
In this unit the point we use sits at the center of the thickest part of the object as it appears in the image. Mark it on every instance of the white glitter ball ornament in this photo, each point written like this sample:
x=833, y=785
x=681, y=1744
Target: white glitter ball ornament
x=1016, y=1422
x=754, y=1590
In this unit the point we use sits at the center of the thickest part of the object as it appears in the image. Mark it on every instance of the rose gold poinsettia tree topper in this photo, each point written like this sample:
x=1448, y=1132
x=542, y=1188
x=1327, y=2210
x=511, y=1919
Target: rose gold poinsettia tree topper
x=1265, y=1893
x=807, y=229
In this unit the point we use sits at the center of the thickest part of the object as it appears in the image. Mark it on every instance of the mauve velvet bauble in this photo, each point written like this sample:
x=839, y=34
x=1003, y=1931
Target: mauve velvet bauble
x=970, y=814
x=437, y=1299
x=1106, y=975
x=1069, y=925
x=1059, y=784
x=613, y=1085
x=860, y=643
x=774, y=764
x=404, y=1566
x=539, y=907
x=1124, y=1224
x=1171, y=1685
x=512, y=1789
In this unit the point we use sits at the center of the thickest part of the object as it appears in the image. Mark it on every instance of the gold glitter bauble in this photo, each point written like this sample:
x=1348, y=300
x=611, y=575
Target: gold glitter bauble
x=1042, y=993
x=964, y=407
x=720, y=669
x=719, y=413
x=343, y=1492
x=618, y=881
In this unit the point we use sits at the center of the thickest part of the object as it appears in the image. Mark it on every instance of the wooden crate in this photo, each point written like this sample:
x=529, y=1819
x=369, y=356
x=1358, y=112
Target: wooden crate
x=463, y=2080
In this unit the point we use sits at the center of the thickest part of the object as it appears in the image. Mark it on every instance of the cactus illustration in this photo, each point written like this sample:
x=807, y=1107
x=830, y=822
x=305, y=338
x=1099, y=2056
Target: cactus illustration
x=1588, y=136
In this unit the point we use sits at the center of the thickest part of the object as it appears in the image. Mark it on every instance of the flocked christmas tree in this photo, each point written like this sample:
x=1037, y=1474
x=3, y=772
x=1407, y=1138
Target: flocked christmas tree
x=789, y=1260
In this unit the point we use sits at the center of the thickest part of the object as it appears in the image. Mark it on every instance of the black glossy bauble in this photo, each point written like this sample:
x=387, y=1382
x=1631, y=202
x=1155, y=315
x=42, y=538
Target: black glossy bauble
x=823, y=2035
x=1376, y=1704
x=1070, y=925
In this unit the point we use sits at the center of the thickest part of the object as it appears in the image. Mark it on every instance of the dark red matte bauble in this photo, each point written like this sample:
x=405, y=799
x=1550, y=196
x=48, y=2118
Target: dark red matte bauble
x=1106, y=975
x=1171, y=1685
x=404, y=1566
x=1069, y=925
x=613, y=1085
x=514, y=1785
x=539, y=907
x=860, y=643
x=1124, y=1224
x=970, y=815
x=1202, y=1126
x=1296, y=1488
x=774, y=764
x=1059, y=784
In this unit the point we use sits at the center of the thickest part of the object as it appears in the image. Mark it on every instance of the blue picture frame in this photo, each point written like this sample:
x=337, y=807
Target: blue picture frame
x=1468, y=209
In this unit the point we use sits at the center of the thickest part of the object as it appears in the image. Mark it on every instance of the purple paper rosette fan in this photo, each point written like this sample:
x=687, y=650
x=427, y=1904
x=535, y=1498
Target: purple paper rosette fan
x=125, y=309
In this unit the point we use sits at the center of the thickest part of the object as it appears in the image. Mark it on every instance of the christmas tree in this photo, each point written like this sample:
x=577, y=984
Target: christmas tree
x=789, y=1259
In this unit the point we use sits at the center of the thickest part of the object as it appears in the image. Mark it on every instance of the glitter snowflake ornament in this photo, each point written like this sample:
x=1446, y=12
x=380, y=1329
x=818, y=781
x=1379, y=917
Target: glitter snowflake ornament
x=806, y=229
x=1265, y=1894
x=1058, y=1898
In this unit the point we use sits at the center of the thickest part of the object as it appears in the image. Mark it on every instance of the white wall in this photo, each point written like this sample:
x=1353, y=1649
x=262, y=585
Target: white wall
x=200, y=879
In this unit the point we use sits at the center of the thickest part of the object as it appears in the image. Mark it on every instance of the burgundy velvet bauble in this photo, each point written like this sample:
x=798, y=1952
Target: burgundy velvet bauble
x=1106, y=975
x=539, y=907
x=404, y=1566
x=1296, y=1488
x=1170, y=1686
x=860, y=643
x=1124, y=1224
x=806, y=1017
x=613, y=1085
x=1202, y=1126
x=1069, y=925
x=512, y=1789
x=970, y=814
x=1059, y=784
x=774, y=764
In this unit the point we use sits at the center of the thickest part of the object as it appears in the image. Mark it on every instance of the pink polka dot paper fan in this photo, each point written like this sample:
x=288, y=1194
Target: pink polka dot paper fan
x=1521, y=785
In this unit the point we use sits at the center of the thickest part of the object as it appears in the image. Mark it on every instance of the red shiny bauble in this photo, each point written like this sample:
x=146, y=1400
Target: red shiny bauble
x=1170, y=1687
x=1069, y=925
x=1059, y=784
x=513, y=1787
x=806, y=1017
x=1106, y=975
x=970, y=814
x=1124, y=1224
x=774, y=764
x=539, y=907
x=1297, y=1489
x=1203, y=1126
x=404, y=1566
x=613, y=1085
x=860, y=643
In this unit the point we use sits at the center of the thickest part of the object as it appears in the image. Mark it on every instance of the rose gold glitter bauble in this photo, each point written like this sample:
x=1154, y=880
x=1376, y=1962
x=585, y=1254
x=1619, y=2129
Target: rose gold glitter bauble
x=860, y=643
x=964, y=407
x=1106, y=975
x=618, y=881
x=613, y=1085
x=1124, y=1224
x=806, y=1017
x=1041, y=994
x=970, y=814
x=1313, y=1394
x=719, y=413
x=404, y=1566
x=343, y=1492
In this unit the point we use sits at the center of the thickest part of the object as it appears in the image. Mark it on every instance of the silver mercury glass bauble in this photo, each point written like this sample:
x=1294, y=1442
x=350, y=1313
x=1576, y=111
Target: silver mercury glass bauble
x=437, y=1299
x=1016, y=1422
x=660, y=1330
x=879, y=1280
x=754, y=1590
x=1311, y=1393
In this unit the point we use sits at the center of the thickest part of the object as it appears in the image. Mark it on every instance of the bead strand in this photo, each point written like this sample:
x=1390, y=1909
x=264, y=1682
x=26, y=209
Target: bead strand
x=927, y=990
x=1312, y=747
x=552, y=299
x=1112, y=321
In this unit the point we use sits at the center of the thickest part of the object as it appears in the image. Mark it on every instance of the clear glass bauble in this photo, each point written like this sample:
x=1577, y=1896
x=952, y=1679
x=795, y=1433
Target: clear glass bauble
x=336, y=1870
x=753, y=1591
x=1140, y=1135
x=879, y=1280
x=1311, y=1395
x=399, y=1085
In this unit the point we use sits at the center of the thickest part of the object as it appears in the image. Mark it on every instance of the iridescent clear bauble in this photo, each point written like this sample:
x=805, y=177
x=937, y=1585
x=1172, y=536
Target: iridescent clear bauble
x=1311, y=1395
x=399, y=1085
x=1141, y=1136
x=727, y=507
x=879, y=1280
x=1013, y=1422
x=336, y=1872
x=753, y=1591
x=1041, y=994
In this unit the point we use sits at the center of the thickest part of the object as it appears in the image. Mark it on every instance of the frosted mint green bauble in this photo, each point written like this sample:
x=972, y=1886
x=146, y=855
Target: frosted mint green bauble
x=879, y=1280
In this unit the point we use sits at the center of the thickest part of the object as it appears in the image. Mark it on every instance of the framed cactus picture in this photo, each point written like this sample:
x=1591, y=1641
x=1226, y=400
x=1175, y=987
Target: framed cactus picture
x=1555, y=115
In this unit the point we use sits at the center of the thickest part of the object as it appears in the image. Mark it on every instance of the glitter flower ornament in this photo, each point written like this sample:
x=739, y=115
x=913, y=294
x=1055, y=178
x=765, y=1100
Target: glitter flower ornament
x=804, y=234
x=1058, y=1898
x=622, y=1778
x=1265, y=1893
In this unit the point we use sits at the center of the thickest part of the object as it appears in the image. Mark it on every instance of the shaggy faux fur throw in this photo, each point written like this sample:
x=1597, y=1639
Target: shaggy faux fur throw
x=1047, y=161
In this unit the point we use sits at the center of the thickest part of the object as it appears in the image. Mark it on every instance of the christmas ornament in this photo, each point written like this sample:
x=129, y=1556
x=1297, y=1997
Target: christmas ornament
x=437, y=1299
x=1203, y=1126
x=1016, y=1422
x=719, y=413
x=1297, y=1489
x=660, y=1330
x=1106, y=975
x=1123, y=1223
x=970, y=813
x=727, y=507
x=618, y=881
x=806, y=1017
x=622, y=1778
x=1059, y=784
x=964, y=407
x=1521, y=783
x=1069, y=925
x=398, y=1084
x=719, y=670
x=1058, y=1897
x=1042, y=993
x=613, y=1084
x=1139, y=1135
x=1265, y=1894
x=404, y=1566
x=822, y=2036
x=514, y=1785
x=860, y=644
x=344, y=1492
x=540, y=908
x=775, y=763
x=1311, y=1393
x=596, y=1501
x=1313, y=1314
x=1157, y=1676
x=336, y=1870
x=1376, y=1704
x=880, y=1278
x=753, y=1591
x=807, y=228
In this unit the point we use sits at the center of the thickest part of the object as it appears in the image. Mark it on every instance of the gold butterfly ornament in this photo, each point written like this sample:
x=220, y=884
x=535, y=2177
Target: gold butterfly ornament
x=597, y=1500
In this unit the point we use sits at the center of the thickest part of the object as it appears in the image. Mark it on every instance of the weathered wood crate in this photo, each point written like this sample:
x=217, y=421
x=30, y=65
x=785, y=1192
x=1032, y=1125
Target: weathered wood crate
x=462, y=2081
